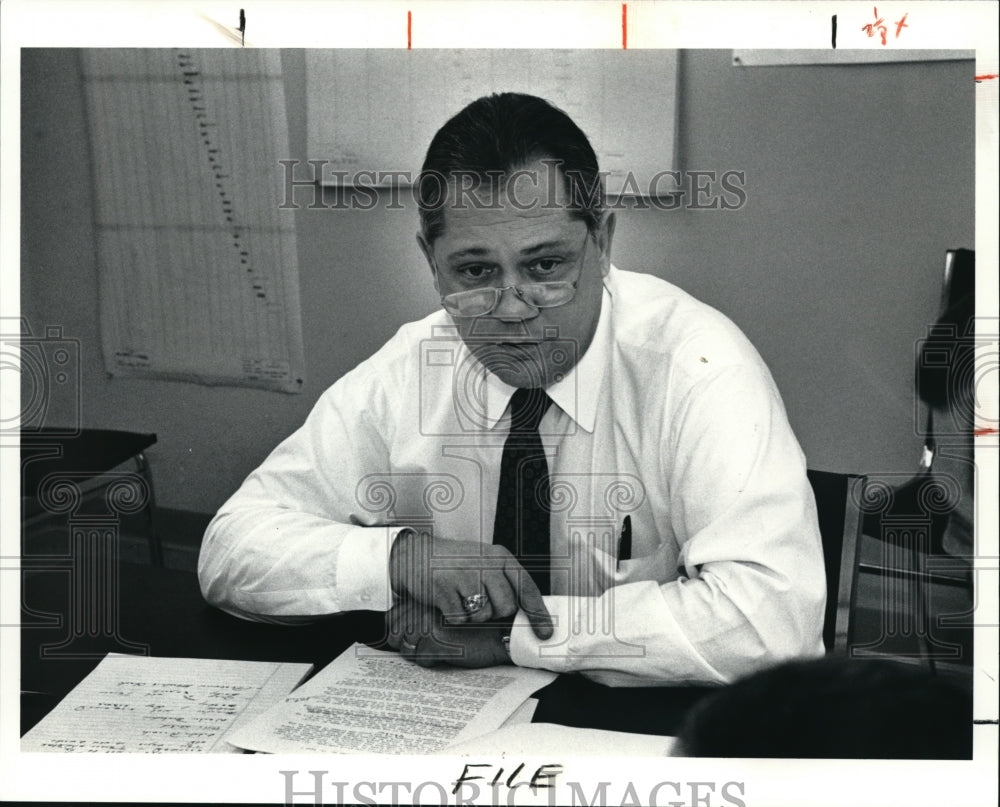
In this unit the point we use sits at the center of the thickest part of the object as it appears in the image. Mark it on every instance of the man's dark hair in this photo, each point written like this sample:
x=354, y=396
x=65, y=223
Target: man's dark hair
x=498, y=134
x=832, y=708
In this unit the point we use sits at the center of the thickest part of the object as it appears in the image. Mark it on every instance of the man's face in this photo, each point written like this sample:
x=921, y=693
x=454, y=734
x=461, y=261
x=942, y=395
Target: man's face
x=513, y=239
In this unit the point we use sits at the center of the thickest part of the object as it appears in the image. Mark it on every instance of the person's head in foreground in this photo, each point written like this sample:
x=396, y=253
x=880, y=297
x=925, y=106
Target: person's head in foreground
x=514, y=228
x=830, y=708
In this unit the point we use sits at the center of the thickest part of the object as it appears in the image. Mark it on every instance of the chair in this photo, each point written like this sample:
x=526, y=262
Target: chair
x=838, y=498
x=80, y=458
x=947, y=353
x=914, y=510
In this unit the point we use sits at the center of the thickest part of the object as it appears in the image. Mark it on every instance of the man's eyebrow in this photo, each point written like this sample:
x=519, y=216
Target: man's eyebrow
x=478, y=252
x=473, y=252
x=559, y=244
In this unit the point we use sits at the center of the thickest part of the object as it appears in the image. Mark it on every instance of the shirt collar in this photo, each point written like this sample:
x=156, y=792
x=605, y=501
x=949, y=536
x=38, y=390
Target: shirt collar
x=577, y=393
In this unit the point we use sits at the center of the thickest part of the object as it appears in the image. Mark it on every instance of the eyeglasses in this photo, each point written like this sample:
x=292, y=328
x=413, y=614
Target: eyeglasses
x=480, y=302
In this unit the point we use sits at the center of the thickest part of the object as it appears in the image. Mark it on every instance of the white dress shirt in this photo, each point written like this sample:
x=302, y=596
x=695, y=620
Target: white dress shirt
x=670, y=417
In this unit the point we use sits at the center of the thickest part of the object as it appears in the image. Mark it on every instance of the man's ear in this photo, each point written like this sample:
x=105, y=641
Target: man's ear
x=429, y=256
x=605, y=236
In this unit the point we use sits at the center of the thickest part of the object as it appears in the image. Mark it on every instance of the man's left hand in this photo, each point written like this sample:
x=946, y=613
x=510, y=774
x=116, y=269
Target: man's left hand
x=420, y=635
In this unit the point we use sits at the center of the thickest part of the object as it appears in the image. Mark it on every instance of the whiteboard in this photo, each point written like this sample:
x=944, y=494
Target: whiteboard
x=197, y=262
x=374, y=112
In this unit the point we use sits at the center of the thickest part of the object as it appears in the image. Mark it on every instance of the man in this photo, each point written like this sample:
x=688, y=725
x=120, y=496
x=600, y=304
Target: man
x=569, y=467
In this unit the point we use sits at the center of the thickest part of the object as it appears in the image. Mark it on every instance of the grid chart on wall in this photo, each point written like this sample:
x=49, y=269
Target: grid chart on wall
x=197, y=259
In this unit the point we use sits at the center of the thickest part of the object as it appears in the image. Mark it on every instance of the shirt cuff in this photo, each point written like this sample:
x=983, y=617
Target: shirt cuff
x=554, y=653
x=363, y=569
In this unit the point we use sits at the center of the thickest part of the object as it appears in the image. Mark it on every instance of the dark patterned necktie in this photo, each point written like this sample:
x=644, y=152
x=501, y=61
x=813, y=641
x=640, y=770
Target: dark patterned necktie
x=523, y=505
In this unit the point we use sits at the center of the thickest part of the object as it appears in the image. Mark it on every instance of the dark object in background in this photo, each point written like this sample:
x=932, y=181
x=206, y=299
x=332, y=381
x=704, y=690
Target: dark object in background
x=945, y=383
x=832, y=708
x=944, y=368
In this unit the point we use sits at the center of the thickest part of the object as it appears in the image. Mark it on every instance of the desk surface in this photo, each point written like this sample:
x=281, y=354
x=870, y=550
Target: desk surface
x=91, y=452
x=161, y=612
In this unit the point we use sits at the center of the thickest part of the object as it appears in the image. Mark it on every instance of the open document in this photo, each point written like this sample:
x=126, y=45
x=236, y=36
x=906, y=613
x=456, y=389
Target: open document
x=374, y=702
x=157, y=705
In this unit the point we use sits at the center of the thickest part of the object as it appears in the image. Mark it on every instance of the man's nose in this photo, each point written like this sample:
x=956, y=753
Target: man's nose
x=511, y=308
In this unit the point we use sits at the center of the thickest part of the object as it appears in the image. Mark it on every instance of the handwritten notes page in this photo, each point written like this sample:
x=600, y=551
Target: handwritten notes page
x=368, y=701
x=162, y=705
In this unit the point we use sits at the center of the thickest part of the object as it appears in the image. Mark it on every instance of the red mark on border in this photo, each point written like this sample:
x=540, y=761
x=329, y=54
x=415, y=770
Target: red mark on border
x=987, y=77
x=901, y=24
x=624, y=26
x=883, y=29
x=409, y=30
x=985, y=432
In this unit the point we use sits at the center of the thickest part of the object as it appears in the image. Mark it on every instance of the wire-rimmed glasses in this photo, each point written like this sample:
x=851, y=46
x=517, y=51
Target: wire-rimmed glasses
x=483, y=301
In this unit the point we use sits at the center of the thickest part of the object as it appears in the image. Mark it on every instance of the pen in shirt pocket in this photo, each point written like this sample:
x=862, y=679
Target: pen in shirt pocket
x=625, y=543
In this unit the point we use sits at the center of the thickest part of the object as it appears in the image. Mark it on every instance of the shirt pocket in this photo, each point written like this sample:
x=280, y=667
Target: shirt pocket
x=600, y=570
x=648, y=567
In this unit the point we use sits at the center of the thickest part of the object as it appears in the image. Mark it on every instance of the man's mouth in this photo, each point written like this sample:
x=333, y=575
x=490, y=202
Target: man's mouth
x=504, y=341
x=517, y=347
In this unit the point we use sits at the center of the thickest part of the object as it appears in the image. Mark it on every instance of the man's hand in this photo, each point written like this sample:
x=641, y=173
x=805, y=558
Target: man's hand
x=420, y=635
x=439, y=574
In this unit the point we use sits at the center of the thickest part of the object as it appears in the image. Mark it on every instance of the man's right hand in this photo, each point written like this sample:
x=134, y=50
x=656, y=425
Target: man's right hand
x=441, y=573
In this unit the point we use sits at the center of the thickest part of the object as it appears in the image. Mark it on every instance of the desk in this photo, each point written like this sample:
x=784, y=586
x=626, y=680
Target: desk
x=92, y=451
x=77, y=458
x=161, y=611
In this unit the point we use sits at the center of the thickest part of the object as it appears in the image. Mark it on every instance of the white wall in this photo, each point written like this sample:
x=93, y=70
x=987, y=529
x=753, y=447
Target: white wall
x=858, y=179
